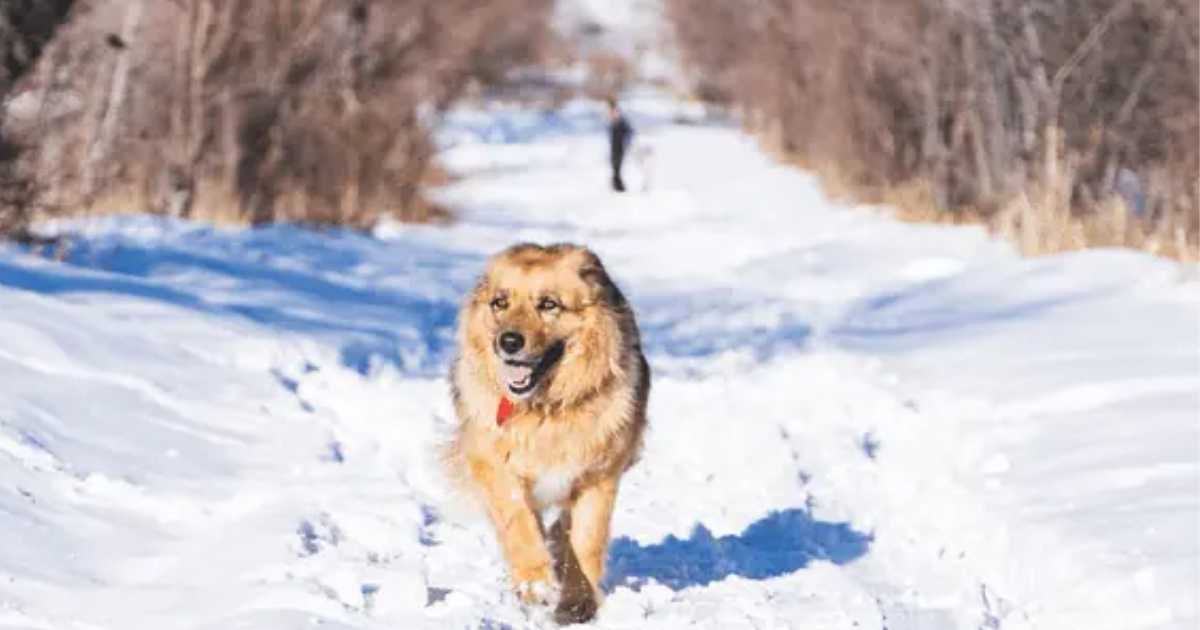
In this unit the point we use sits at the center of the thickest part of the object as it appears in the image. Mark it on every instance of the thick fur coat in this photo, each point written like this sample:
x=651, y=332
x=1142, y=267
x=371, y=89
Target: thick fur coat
x=550, y=388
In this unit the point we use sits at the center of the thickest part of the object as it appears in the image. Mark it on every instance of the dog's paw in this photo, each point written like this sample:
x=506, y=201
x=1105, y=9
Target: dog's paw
x=576, y=609
x=536, y=592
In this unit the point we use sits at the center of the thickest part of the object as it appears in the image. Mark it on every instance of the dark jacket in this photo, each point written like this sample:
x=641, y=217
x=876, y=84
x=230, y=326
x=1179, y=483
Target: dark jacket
x=619, y=135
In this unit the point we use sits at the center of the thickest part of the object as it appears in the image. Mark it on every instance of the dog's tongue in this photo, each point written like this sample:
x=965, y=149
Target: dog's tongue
x=515, y=374
x=511, y=375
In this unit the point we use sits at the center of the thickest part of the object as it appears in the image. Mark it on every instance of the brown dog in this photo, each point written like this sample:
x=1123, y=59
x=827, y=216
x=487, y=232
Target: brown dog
x=550, y=387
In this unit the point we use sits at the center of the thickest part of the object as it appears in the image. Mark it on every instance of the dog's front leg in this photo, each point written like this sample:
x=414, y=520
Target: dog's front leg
x=590, y=517
x=517, y=529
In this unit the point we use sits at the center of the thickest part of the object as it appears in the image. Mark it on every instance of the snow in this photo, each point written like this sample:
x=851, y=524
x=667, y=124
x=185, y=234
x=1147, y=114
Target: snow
x=855, y=422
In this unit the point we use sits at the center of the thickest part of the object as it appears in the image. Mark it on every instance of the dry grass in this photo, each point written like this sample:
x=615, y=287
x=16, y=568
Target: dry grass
x=217, y=205
x=1038, y=223
x=1043, y=223
x=239, y=111
x=1025, y=117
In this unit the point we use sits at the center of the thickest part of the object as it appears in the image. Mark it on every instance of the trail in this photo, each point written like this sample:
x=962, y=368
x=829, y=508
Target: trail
x=855, y=422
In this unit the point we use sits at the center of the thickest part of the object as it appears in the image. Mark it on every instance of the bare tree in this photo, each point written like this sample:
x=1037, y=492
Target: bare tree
x=983, y=103
x=25, y=28
x=310, y=110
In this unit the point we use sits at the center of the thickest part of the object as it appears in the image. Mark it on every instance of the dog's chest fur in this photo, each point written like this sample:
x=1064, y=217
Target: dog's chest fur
x=552, y=453
x=553, y=486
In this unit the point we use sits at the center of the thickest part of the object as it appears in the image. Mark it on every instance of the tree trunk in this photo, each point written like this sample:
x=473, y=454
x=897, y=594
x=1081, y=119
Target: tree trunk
x=114, y=100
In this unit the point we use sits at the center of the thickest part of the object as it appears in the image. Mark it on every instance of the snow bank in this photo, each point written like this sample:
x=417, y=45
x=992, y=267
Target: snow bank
x=855, y=422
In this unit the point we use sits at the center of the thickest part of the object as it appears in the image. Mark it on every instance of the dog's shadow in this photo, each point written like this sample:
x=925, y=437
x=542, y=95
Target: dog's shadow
x=780, y=543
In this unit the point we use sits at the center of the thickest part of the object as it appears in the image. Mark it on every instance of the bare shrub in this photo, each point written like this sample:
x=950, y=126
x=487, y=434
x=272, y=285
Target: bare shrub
x=313, y=110
x=608, y=74
x=981, y=104
x=25, y=28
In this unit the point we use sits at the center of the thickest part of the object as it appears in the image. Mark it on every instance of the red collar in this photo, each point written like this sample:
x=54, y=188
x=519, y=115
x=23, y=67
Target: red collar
x=504, y=411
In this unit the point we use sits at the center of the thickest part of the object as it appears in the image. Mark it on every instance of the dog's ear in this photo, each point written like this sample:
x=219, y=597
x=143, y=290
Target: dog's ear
x=593, y=274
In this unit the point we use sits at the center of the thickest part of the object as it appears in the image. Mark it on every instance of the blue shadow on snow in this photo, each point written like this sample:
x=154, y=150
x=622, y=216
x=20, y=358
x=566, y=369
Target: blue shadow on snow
x=910, y=314
x=252, y=280
x=778, y=544
x=706, y=323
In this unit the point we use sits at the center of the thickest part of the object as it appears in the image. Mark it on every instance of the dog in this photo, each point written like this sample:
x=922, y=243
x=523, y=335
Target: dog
x=550, y=388
x=643, y=154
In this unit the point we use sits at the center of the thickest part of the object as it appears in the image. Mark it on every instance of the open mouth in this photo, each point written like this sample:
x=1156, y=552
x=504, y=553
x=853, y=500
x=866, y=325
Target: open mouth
x=521, y=376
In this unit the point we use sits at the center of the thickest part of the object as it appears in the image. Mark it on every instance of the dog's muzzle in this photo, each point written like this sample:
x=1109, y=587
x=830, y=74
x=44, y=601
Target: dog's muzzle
x=520, y=372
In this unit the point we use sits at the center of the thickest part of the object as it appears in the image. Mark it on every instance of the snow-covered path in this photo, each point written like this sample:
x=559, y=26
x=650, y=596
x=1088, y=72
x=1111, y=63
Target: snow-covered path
x=856, y=423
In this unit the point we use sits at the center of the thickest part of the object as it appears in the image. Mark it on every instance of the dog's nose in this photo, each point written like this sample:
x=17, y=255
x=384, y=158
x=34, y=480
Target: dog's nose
x=511, y=342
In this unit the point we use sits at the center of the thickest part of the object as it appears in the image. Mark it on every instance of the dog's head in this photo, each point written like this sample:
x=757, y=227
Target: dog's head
x=546, y=322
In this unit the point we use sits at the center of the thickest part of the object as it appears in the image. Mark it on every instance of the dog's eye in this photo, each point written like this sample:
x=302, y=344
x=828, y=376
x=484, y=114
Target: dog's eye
x=548, y=304
x=499, y=303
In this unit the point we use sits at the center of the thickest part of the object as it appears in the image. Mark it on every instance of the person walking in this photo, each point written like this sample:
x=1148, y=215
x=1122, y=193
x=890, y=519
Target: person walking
x=619, y=134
